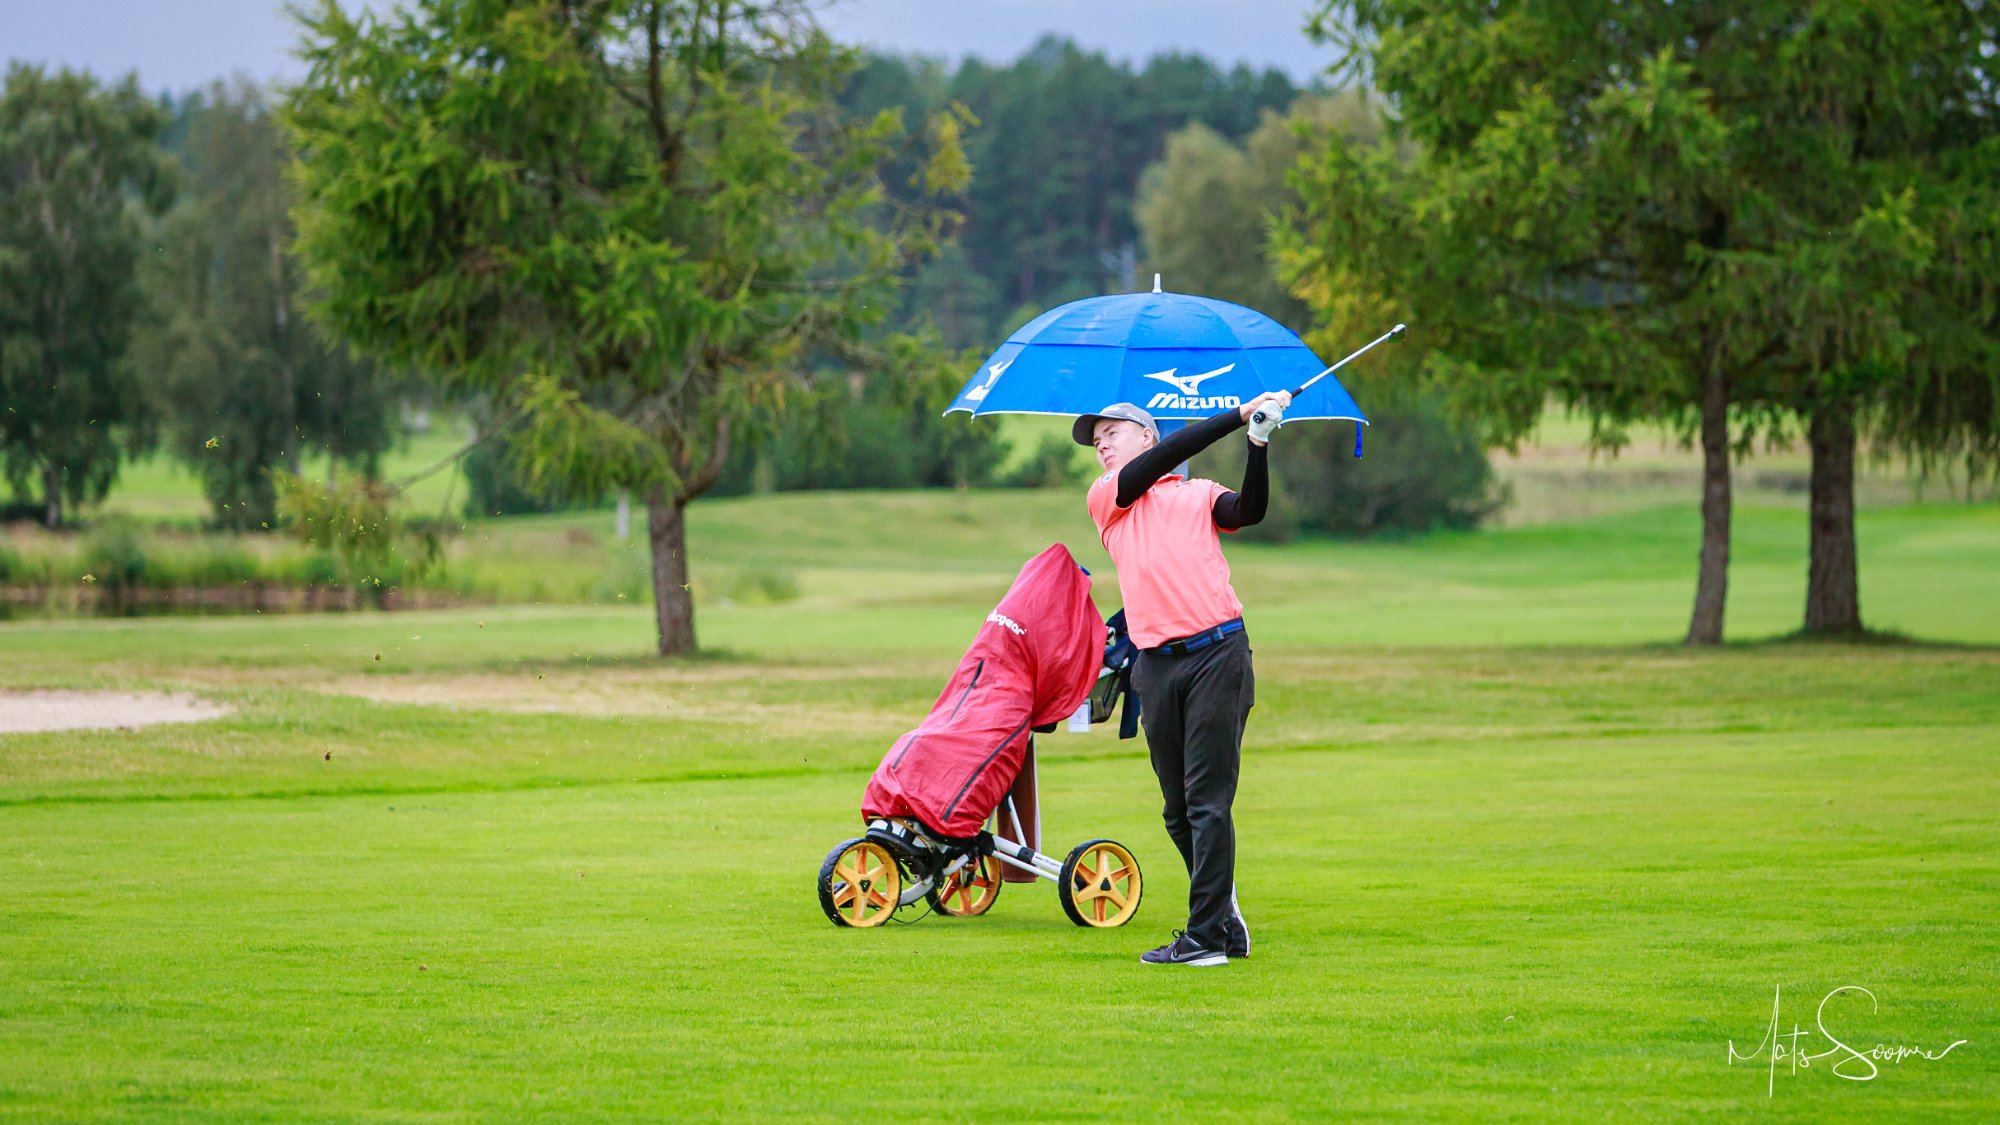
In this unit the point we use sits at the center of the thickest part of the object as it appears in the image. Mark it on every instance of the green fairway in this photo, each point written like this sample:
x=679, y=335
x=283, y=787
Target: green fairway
x=1506, y=850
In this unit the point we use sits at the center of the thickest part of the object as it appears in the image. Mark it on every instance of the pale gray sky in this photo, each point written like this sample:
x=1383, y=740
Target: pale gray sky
x=179, y=45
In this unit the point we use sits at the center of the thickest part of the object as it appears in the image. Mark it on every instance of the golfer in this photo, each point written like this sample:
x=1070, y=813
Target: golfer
x=1193, y=672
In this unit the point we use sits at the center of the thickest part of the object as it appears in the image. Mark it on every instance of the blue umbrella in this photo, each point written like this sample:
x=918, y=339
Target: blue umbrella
x=1178, y=356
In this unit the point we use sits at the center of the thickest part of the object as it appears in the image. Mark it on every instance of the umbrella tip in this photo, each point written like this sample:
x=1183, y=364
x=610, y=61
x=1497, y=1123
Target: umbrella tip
x=1156, y=283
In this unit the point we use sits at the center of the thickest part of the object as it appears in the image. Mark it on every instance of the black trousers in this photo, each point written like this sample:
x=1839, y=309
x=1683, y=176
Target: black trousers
x=1194, y=708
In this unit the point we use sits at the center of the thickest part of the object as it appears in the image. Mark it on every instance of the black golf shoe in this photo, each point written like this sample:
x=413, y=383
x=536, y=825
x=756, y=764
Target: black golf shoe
x=1236, y=935
x=1183, y=951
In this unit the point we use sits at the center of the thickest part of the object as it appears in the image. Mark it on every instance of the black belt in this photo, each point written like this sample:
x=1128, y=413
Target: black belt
x=1182, y=646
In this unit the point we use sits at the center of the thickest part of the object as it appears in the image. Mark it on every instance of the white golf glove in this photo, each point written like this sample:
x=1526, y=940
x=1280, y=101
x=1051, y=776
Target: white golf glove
x=1265, y=421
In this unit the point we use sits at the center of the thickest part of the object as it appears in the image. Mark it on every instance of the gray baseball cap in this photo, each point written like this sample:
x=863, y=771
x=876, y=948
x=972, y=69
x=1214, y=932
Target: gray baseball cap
x=1085, y=429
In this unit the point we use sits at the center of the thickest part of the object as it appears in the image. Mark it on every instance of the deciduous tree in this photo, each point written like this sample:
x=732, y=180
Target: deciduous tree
x=1867, y=151
x=1208, y=211
x=1656, y=211
x=245, y=383
x=79, y=175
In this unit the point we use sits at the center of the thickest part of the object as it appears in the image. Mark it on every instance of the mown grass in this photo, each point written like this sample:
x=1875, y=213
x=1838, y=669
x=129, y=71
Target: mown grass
x=1508, y=852
x=160, y=487
x=1554, y=479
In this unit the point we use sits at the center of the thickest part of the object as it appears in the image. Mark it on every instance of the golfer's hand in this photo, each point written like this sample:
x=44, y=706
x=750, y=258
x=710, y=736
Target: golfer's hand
x=1271, y=406
x=1280, y=399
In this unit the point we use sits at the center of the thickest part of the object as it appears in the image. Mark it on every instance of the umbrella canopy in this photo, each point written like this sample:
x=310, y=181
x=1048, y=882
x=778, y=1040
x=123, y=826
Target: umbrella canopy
x=1176, y=355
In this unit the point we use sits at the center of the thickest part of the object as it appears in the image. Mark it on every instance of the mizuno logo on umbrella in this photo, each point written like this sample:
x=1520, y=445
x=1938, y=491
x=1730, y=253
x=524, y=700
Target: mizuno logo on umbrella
x=1189, y=387
x=1187, y=384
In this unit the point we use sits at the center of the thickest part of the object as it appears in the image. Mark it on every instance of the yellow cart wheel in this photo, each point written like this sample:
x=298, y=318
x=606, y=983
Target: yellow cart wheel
x=1100, y=884
x=859, y=883
x=969, y=891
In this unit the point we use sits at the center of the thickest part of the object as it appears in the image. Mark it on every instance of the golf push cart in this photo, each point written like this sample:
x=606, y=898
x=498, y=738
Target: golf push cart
x=951, y=812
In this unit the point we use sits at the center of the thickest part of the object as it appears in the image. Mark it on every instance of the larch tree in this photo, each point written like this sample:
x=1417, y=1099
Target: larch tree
x=631, y=225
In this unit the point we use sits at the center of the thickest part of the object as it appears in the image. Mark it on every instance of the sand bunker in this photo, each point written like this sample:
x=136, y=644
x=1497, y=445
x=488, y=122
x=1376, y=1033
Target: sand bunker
x=25, y=711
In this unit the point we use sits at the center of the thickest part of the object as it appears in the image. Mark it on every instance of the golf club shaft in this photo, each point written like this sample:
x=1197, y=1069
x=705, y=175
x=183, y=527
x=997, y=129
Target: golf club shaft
x=1391, y=334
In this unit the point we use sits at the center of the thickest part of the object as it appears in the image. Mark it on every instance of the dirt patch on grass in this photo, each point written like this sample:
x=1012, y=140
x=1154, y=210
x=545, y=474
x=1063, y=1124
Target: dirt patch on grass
x=23, y=712
x=793, y=698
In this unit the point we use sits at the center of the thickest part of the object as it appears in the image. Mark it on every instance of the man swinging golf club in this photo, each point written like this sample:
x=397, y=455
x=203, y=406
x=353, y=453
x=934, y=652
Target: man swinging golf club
x=1193, y=673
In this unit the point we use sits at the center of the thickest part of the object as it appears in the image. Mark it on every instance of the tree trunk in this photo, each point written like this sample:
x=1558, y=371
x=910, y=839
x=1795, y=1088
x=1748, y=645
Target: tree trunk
x=1711, y=591
x=52, y=489
x=673, y=601
x=1833, y=585
x=281, y=319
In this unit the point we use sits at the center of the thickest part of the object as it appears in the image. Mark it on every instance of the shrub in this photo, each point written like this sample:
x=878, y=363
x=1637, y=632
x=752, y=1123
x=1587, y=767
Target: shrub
x=876, y=435
x=305, y=568
x=221, y=562
x=1421, y=472
x=114, y=554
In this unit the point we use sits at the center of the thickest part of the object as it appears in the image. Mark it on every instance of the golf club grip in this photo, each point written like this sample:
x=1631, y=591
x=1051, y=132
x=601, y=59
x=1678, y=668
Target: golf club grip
x=1294, y=392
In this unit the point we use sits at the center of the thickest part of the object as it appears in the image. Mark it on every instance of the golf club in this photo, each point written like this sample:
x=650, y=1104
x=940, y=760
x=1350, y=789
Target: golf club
x=1395, y=333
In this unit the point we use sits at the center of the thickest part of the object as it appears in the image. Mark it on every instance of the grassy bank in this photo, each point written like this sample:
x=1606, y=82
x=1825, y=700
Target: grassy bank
x=145, y=551
x=881, y=569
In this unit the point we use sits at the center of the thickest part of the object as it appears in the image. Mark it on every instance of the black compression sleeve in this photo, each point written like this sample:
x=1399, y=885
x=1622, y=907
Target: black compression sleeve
x=1245, y=507
x=1138, y=475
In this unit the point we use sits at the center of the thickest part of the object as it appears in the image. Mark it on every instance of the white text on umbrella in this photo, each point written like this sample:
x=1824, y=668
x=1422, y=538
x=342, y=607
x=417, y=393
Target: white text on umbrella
x=1189, y=385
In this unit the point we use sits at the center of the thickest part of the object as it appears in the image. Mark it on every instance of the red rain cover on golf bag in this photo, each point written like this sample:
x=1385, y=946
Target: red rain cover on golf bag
x=1035, y=659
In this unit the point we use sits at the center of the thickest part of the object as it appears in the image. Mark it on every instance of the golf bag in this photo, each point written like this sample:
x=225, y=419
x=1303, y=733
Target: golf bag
x=1039, y=657
x=1036, y=658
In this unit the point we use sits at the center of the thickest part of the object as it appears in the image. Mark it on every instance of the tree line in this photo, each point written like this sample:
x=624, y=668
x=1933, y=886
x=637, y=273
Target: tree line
x=149, y=296
x=671, y=247
x=209, y=350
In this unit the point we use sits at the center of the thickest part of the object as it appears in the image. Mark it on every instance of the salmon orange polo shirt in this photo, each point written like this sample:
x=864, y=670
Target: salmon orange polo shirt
x=1168, y=552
